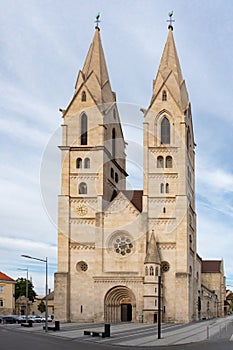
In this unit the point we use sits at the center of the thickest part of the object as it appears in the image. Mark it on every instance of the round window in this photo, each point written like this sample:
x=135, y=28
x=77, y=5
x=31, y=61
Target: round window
x=165, y=266
x=122, y=245
x=81, y=266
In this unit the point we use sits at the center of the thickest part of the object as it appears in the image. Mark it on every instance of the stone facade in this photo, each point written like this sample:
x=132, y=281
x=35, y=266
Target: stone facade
x=117, y=249
x=213, y=278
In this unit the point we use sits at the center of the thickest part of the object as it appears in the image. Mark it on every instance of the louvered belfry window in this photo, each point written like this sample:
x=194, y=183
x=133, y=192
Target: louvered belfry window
x=165, y=131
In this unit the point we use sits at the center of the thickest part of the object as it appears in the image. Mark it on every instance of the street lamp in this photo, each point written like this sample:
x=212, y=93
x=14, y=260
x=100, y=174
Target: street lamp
x=26, y=292
x=46, y=286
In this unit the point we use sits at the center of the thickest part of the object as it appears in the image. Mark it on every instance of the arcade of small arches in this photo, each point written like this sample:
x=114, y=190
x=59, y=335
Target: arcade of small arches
x=151, y=271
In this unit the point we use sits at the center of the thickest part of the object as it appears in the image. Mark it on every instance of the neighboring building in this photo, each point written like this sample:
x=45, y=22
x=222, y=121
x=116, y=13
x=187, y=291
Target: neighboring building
x=214, y=279
x=114, y=244
x=21, y=306
x=7, y=297
x=209, y=303
x=229, y=301
x=50, y=302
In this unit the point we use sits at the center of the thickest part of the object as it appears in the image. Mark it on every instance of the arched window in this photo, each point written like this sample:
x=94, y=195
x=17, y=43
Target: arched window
x=155, y=302
x=82, y=189
x=146, y=271
x=151, y=271
x=84, y=96
x=168, y=162
x=165, y=131
x=116, y=178
x=161, y=188
x=164, y=96
x=83, y=129
x=112, y=173
x=160, y=162
x=113, y=142
x=79, y=163
x=87, y=163
x=188, y=138
x=156, y=271
x=164, y=210
x=167, y=188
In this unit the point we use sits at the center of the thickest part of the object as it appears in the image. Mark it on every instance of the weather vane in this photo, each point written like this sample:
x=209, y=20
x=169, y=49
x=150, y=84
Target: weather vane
x=170, y=20
x=97, y=20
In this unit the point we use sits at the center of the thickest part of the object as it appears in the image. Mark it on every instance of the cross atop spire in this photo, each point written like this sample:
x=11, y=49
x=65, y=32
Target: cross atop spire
x=170, y=20
x=97, y=21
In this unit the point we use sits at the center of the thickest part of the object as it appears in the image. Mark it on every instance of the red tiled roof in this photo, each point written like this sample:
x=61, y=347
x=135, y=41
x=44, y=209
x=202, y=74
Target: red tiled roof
x=135, y=197
x=230, y=296
x=4, y=277
x=211, y=266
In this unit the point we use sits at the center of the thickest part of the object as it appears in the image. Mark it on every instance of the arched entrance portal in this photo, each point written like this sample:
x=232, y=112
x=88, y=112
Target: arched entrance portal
x=119, y=305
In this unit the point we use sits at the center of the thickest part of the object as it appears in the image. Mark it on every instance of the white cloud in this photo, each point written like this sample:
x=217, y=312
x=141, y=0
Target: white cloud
x=43, y=45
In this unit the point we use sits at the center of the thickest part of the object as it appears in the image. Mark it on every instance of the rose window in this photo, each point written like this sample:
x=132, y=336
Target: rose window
x=165, y=266
x=81, y=266
x=123, y=245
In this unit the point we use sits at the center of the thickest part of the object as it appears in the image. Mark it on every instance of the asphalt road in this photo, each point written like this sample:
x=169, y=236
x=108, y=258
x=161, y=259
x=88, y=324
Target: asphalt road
x=12, y=340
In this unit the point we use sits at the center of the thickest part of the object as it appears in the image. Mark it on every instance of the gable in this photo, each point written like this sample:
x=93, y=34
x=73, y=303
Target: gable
x=131, y=200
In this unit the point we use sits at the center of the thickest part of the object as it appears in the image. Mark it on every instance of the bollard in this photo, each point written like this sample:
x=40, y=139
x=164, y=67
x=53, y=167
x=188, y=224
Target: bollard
x=208, y=332
x=107, y=330
x=57, y=326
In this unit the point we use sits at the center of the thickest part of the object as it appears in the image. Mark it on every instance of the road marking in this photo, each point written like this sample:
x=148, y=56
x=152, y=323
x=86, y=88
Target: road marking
x=231, y=339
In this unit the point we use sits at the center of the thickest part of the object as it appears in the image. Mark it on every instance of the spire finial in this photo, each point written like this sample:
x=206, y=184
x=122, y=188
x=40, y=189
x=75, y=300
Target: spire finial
x=97, y=21
x=170, y=14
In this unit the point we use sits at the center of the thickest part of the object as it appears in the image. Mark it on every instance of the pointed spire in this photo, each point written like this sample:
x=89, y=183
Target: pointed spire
x=95, y=74
x=152, y=255
x=170, y=74
x=170, y=61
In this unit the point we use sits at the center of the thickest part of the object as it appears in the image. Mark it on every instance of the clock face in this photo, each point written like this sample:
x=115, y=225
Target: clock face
x=81, y=210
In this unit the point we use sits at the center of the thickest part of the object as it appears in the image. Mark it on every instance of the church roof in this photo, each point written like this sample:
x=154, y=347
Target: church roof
x=214, y=266
x=135, y=197
x=152, y=255
x=4, y=277
x=94, y=74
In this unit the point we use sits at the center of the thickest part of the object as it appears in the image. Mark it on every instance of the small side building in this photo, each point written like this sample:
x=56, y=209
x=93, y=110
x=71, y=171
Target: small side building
x=7, y=294
x=213, y=278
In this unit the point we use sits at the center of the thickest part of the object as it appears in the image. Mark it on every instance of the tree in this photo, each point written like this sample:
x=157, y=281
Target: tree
x=20, y=289
x=41, y=307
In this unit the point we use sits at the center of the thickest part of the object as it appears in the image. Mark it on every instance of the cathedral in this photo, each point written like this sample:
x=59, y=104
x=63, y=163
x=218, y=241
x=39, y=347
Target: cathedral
x=130, y=255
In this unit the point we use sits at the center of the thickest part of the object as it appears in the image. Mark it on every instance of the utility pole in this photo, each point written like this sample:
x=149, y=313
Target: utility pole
x=159, y=308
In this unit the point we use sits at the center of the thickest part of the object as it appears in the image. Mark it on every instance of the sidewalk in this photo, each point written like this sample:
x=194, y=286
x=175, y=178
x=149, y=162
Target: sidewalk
x=138, y=334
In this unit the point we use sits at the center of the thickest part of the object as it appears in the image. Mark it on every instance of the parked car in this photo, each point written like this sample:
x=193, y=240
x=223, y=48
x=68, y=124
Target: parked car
x=9, y=319
x=35, y=318
x=50, y=319
x=21, y=319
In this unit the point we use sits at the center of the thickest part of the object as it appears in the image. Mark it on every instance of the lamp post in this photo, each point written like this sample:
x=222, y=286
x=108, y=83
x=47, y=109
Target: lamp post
x=26, y=292
x=159, y=307
x=46, y=286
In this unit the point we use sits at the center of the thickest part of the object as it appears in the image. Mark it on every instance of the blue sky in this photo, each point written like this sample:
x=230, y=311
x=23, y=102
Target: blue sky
x=43, y=44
